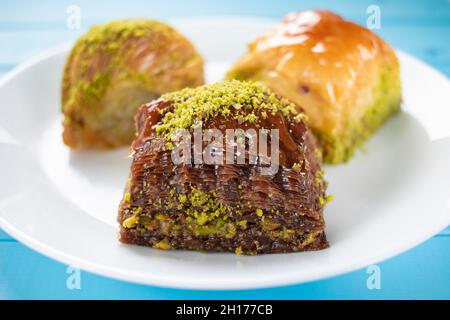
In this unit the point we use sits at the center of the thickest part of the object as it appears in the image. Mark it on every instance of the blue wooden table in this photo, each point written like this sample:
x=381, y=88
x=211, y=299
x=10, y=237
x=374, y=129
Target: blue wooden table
x=421, y=28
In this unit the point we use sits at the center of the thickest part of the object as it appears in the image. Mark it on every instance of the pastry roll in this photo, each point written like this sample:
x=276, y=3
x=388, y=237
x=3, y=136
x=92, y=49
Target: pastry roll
x=116, y=67
x=343, y=75
x=227, y=206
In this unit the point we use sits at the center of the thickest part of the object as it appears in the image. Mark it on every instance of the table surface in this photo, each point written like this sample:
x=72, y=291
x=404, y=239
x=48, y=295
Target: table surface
x=421, y=28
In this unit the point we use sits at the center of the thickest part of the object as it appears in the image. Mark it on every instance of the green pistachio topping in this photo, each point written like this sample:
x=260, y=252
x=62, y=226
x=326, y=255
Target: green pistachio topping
x=164, y=245
x=130, y=222
x=297, y=167
x=259, y=212
x=243, y=101
x=324, y=201
x=204, y=207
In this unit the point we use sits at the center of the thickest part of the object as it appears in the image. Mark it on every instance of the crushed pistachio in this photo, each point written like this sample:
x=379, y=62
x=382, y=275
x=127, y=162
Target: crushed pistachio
x=323, y=201
x=301, y=116
x=127, y=197
x=310, y=238
x=242, y=224
x=238, y=251
x=259, y=212
x=240, y=100
x=297, y=167
x=182, y=198
x=137, y=211
x=164, y=245
x=269, y=224
x=169, y=146
x=130, y=222
x=318, y=177
x=202, y=219
x=251, y=117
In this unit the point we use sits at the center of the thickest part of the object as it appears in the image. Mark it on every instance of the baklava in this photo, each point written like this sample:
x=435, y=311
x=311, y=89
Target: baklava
x=244, y=207
x=343, y=75
x=113, y=69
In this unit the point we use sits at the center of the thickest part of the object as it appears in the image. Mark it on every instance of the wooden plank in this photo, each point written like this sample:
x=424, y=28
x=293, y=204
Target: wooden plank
x=429, y=44
x=403, y=11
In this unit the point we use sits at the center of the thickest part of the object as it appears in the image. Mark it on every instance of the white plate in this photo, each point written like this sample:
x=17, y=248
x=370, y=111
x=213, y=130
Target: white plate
x=64, y=204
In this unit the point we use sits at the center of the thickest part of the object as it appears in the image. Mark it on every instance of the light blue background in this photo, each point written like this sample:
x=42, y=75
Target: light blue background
x=421, y=28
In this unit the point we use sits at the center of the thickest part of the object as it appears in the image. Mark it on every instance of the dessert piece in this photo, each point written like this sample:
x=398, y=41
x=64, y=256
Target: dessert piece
x=116, y=67
x=344, y=76
x=227, y=206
